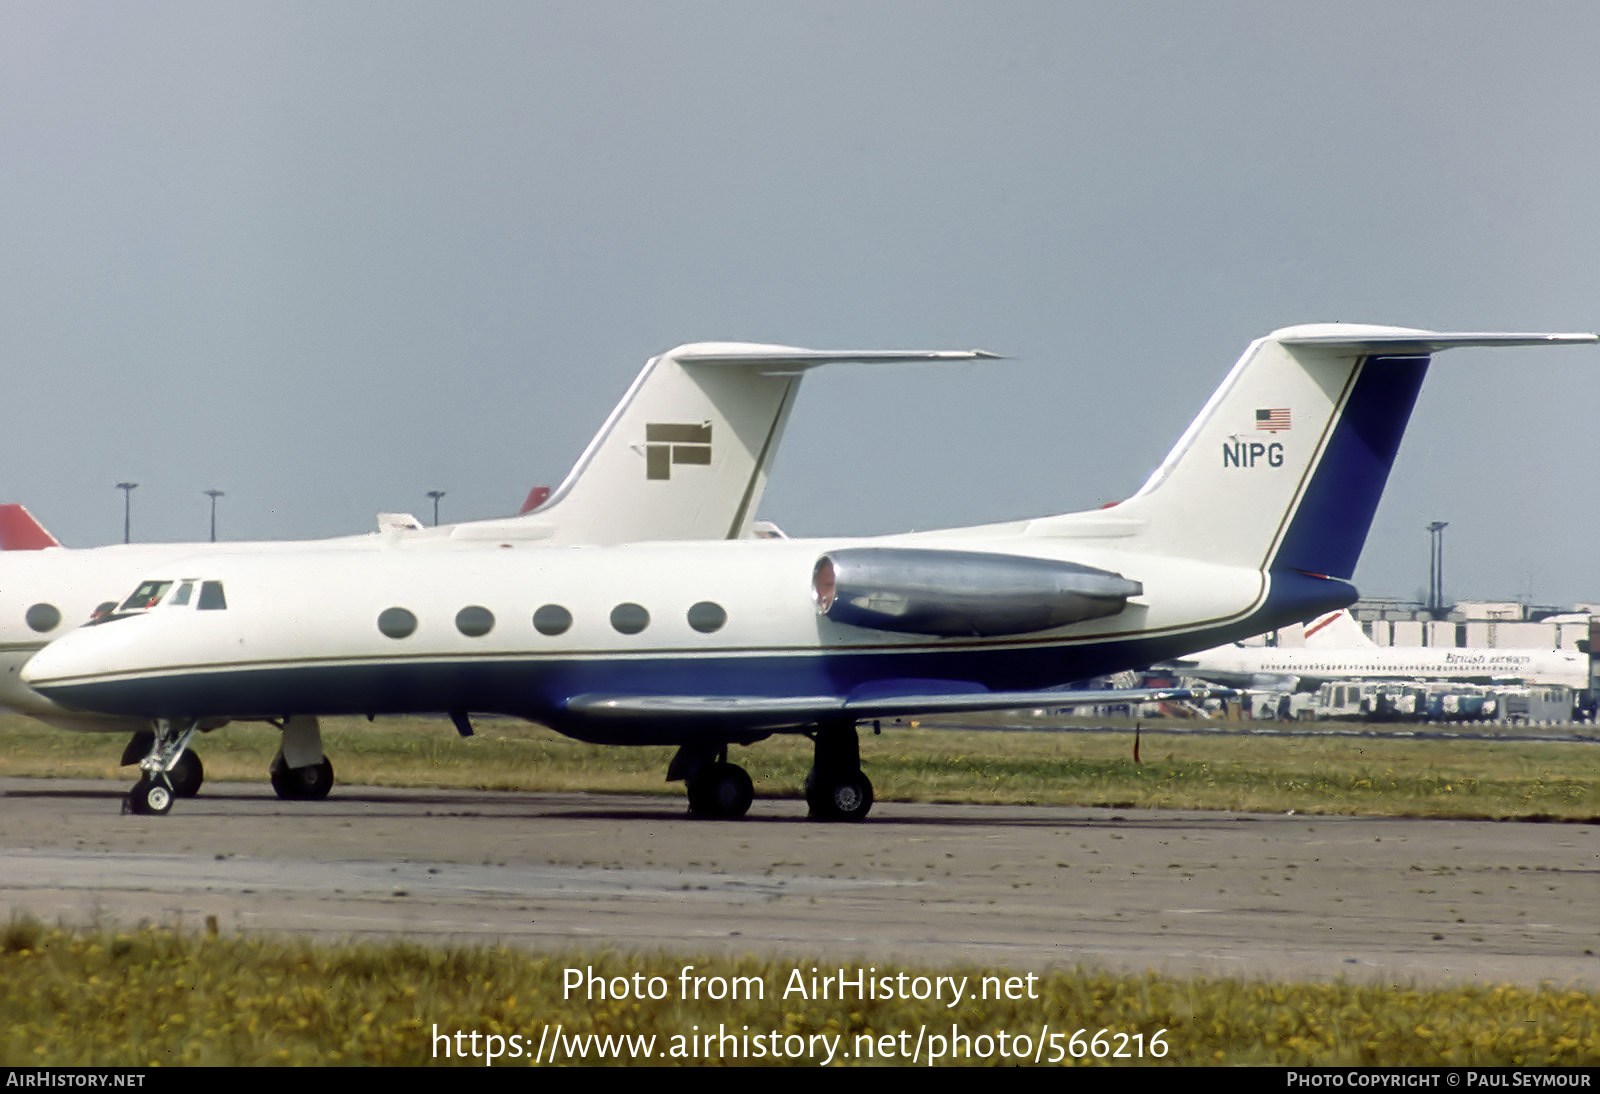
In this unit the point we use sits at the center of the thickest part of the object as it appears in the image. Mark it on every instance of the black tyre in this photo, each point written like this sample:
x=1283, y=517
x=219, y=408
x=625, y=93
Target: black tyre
x=304, y=783
x=187, y=775
x=841, y=797
x=723, y=792
x=149, y=798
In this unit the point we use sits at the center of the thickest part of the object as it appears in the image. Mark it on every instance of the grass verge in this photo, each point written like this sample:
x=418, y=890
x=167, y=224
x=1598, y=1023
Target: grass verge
x=1466, y=777
x=156, y=997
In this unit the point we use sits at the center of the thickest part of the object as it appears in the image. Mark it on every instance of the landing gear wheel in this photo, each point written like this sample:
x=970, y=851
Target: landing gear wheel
x=304, y=783
x=149, y=798
x=722, y=792
x=841, y=796
x=836, y=789
x=187, y=775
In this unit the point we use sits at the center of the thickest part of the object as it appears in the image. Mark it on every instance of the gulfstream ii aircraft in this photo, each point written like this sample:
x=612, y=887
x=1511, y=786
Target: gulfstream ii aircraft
x=1254, y=520
x=684, y=456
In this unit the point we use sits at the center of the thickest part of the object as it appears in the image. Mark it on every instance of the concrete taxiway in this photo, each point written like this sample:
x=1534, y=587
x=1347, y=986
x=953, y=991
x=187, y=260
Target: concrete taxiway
x=1291, y=897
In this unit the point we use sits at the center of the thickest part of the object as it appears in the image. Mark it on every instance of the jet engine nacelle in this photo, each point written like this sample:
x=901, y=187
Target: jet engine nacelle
x=951, y=593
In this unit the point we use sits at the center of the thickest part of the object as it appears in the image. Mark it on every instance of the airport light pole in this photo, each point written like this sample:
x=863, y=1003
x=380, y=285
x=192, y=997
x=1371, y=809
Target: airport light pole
x=1436, y=566
x=213, y=495
x=127, y=489
x=436, y=495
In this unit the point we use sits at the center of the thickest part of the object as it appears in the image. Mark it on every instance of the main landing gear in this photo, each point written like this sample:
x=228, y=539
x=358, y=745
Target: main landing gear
x=300, y=770
x=718, y=790
x=309, y=783
x=836, y=789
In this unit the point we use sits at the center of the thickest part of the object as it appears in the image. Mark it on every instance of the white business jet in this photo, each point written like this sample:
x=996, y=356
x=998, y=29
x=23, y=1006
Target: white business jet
x=1254, y=520
x=684, y=456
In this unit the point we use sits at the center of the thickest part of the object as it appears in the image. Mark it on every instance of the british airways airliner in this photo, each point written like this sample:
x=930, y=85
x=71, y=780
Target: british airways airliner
x=1255, y=519
x=1337, y=649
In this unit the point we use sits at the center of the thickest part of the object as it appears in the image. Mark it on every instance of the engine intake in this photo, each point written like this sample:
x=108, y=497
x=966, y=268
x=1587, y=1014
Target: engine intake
x=913, y=590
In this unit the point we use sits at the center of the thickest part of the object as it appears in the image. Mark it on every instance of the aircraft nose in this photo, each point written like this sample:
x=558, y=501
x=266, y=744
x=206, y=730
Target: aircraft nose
x=40, y=668
x=66, y=658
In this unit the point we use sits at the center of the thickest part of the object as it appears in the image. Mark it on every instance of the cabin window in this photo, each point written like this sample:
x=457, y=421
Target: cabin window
x=707, y=617
x=211, y=597
x=474, y=621
x=43, y=617
x=396, y=622
x=147, y=595
x=629, y=618
x=552, y=619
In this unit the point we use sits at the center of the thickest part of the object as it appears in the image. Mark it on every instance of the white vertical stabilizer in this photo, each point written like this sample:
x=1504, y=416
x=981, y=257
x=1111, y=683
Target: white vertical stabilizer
x=1336, y=631
x=686, y=454
x=1283, y=468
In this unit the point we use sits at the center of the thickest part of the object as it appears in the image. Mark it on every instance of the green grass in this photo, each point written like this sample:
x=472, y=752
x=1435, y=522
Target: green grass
x=1339, y=775
x=153, y=997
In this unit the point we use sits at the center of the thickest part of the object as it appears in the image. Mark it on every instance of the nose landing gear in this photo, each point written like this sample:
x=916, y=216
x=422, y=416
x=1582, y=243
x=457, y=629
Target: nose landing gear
x=167, y=771
x=149, y=797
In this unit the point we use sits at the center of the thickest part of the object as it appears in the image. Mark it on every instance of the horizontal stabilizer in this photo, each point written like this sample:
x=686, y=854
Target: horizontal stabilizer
x=755, y=711
x=789, y=359
x=1400, y=342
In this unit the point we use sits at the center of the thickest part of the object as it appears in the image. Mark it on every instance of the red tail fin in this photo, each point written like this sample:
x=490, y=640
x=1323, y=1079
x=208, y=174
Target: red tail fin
x=20, y=532
x=536, y=497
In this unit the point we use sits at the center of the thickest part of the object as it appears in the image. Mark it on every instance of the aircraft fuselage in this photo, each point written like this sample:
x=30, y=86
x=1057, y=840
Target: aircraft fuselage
x=535, y=633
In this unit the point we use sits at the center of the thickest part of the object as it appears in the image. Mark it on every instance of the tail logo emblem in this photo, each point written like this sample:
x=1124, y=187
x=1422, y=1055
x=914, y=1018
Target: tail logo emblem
x=668, y=443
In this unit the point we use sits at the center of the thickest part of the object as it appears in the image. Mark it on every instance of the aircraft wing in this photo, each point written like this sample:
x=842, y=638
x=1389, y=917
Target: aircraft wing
x=752, y=711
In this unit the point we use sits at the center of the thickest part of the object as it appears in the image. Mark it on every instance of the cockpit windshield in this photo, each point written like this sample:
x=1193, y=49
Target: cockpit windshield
x=147, y=595
x=209, y=597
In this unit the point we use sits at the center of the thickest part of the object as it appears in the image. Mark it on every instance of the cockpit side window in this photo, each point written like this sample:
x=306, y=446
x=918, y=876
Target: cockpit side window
x=147, y=595
x=211, y=597
x=181, y=597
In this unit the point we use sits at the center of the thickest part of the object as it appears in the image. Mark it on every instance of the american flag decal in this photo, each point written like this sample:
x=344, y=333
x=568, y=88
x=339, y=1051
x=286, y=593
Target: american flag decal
x=1273, y=421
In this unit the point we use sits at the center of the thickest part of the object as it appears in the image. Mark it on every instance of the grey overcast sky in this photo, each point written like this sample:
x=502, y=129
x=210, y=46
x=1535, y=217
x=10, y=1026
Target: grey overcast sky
x=328, y=256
